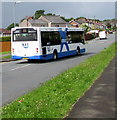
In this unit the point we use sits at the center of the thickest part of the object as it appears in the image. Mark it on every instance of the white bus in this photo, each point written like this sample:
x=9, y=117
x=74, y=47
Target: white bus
x=46, y=43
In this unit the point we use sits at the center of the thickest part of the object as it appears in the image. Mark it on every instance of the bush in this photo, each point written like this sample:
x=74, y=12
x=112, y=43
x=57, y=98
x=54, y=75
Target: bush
x=90, y=36
x=93, y=35
x=6, y=38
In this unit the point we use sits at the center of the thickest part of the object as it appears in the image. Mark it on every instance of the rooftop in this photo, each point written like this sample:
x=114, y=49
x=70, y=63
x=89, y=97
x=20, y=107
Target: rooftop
x=55, y=19
x=5, y=31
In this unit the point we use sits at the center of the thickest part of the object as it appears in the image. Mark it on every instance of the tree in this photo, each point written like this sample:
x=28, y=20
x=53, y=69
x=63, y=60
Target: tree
x=80, y=18
x=38, y=13
x=12, y=26
x=50, y=14
x=67, y=20
x=86, y=28
x=108, y=25
x=106, y=20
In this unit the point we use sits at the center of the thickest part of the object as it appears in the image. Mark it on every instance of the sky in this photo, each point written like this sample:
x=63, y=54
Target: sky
x=99, y=10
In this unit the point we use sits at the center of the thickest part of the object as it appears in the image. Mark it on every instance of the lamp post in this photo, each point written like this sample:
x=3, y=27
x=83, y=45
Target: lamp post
x=17, y=2
x=94, y=22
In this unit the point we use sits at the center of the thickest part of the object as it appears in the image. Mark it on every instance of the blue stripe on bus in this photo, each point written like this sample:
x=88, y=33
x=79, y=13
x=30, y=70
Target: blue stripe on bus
x=82, y=50
x=50, y=56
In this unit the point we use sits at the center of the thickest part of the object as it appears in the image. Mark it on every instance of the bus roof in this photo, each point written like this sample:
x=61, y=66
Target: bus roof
x=57, y=28
x=51, y=28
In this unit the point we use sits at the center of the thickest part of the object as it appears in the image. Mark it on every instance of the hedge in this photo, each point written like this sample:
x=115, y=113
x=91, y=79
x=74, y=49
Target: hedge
x=6, y=38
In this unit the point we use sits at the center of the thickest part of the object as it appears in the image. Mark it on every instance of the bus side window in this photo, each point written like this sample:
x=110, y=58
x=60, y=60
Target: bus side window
x=74, y=37
x=55, y=38
x=69, y=38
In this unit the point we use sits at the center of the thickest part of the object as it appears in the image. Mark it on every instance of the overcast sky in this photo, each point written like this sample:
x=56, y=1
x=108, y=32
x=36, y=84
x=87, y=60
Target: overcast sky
x=101, y=10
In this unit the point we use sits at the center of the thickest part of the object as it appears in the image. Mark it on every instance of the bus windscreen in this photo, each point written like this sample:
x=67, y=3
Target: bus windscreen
x=25, y=34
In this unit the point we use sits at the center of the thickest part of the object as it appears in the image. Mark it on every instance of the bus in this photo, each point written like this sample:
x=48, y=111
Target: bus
x=45, y=43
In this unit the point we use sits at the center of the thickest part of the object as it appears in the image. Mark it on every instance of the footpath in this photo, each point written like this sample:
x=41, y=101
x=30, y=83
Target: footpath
x=99, y=100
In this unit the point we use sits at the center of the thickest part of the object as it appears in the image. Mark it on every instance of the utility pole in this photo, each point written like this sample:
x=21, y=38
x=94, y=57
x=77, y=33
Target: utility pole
x=94, y=21
x=14, y=13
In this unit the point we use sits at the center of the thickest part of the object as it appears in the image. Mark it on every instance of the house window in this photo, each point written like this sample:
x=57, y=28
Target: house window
x=42, y=25
x=56, y=25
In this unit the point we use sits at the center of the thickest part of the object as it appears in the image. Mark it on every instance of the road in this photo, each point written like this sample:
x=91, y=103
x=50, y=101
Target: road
x=19, y=77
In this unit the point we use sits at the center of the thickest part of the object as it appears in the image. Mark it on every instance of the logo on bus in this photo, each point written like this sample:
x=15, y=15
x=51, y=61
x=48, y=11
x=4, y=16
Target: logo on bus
x=25, y=45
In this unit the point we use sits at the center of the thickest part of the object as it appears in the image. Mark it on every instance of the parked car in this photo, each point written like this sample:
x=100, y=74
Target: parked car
x=102, y=35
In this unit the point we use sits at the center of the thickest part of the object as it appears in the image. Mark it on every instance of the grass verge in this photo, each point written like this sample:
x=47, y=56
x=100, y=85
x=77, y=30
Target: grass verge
x=55, y=97
x=3, y=53
x=6, y=57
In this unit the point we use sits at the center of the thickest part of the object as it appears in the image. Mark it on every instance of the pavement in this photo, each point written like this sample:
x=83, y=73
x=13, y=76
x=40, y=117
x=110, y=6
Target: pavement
x=99, y=100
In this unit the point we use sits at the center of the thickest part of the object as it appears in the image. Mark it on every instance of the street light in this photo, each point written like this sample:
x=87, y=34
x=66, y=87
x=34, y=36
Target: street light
x=17, y=2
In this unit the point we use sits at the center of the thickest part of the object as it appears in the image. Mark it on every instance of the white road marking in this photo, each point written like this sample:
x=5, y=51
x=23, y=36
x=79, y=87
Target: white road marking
x=19, y=67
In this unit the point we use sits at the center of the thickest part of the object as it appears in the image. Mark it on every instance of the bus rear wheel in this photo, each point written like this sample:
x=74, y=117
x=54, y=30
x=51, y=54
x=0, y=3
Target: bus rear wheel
x=55, y=55
x=78, y=50
x=31, y=60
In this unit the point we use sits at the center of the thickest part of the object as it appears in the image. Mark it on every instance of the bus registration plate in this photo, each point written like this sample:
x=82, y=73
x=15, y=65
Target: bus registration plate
x=25, y=58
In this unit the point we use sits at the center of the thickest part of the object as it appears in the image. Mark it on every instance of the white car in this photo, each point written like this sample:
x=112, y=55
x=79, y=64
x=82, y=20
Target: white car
x=102, y=35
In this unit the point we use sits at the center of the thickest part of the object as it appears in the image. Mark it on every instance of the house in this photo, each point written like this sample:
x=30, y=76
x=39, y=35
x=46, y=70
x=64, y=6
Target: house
x=73, y=23
x=33, y=23
x=54, y=21
x=44, y=21
x=99, y=25
x=110, y=23
x=4, y=32
x=89, y=22
x=80, y=22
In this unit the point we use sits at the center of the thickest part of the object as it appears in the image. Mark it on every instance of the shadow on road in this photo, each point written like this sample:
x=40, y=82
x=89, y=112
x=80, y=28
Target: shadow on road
x=60, y=59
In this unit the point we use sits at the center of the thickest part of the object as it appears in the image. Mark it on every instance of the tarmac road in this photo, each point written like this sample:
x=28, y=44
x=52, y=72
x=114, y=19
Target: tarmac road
x=19, y=77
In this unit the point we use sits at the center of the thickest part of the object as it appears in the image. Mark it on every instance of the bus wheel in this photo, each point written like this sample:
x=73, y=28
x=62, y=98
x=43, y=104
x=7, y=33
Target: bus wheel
x=78, y=50
x=55, y=55
x=30, y=60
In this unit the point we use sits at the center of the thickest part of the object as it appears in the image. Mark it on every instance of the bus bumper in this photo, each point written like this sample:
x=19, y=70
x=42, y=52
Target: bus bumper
x=39, y=57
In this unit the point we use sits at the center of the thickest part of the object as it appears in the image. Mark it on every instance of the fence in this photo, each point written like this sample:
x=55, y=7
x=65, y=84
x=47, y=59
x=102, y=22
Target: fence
x=5, y=46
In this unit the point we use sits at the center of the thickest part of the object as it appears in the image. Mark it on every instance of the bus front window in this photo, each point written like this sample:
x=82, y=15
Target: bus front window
x=28, y=34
